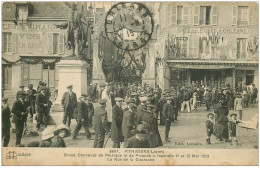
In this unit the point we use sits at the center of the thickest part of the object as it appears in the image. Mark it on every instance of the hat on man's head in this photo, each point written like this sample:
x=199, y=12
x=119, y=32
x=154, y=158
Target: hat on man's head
x=84, y=95
x=5, y=99
x=132, y=105
x=22, y=94
x=168, y=98
x=69, y=86
x=118, y=99
x=150, y=106
x=233, y=114
x=143, y=99
x=134, y=94
x=43, y=88
x=22, y=86
x=129, y=101
x=30, y=86
x=102, y=101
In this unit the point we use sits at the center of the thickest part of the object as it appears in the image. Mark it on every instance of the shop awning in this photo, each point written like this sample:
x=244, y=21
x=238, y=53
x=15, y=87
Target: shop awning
x=208, y=64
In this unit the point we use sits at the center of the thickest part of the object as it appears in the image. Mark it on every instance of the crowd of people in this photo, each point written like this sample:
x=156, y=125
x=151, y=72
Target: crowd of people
x=135, y=123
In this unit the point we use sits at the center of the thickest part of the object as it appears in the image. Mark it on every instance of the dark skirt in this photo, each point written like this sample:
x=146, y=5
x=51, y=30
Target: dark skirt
x=221, y=129
x=155, y=139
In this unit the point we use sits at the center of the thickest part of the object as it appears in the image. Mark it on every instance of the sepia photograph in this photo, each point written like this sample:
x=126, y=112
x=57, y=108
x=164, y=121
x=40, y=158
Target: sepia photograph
x=130, y=83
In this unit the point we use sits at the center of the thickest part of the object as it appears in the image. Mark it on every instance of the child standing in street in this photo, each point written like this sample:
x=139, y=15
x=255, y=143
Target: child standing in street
x=232, y=127
x=209, y=127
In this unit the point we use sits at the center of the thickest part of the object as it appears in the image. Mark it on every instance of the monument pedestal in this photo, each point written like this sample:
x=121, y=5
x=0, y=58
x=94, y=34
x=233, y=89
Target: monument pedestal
x=71, y=72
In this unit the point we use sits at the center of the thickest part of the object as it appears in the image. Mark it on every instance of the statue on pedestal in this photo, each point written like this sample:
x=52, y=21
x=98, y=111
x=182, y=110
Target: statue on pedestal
x=77, y=31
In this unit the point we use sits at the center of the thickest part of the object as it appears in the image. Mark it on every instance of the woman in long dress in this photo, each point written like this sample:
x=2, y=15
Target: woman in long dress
x=221, y=126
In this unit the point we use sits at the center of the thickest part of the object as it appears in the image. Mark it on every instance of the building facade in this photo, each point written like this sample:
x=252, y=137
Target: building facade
x=214, y=43
x=33, y=42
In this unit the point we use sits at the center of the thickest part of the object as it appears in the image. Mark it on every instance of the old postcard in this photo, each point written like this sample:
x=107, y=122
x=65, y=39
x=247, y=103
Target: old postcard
x=130, y=83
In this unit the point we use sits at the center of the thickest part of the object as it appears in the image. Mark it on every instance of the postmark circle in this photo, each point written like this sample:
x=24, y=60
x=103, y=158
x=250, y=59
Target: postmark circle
x=129, y=25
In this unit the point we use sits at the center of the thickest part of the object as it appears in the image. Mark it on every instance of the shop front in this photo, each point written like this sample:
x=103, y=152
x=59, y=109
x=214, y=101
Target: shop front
x=212, y=74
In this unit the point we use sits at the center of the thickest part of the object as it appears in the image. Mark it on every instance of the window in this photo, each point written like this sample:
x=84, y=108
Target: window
x=179, y=15
x=56, y=43
x=242, y=15
x=242, y=18
x=182, y=45
x=241, y=48
x=205, y=14
x=7, y=42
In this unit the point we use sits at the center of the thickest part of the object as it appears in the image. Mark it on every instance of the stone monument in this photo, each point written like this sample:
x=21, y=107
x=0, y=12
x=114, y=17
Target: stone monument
x=72, y=69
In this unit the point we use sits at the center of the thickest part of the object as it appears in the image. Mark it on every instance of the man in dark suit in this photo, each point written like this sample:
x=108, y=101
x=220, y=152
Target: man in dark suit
x=141, y=108
x=21, y=91
x=161, y=103
x=19, y=110
x=6, y=124
x=68, y=102
x=116, y=128
x=90, y=109
x=31, y=97
x=207, y=98
x=168, y=114
x=128, y=122
x=42, y=108
x=100, y=124
x=82, y=118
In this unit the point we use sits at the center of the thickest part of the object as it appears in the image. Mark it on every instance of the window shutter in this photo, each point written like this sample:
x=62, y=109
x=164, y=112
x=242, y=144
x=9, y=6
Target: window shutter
x=200, y=45
x=234, y=15
x=50, y=43
x=191, y=47
x=185, y=15
x=196, y=15
x=174, y=15
x=214, y=16
x=196, y=46
x=61, y=43
x=251, y=15
x=235, y=48
x=15, y=42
